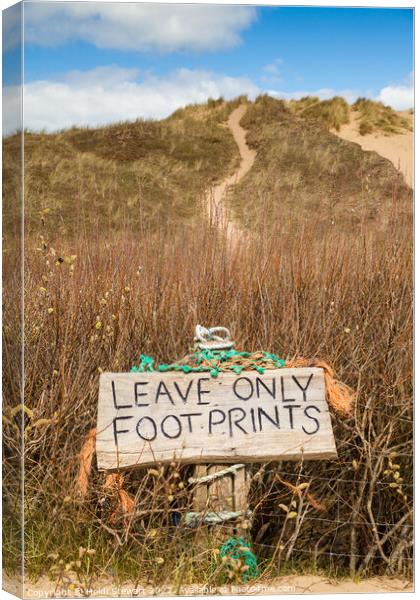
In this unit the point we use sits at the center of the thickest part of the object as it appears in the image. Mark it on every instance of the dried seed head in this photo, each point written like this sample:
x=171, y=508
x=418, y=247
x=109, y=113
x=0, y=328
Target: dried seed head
x=153, y=472
x=53, y=556
x=151, y=533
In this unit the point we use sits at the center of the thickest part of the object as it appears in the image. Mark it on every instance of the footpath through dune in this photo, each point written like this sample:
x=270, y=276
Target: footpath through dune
x=398, y=148
x=216, y=197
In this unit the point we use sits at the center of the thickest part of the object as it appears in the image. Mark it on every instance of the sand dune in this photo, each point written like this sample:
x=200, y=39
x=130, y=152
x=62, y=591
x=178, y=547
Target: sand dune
x=398, y=148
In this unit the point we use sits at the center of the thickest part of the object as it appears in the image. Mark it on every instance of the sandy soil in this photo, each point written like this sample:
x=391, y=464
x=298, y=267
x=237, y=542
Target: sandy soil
x=398, y=148
x=292, y=584
x=217, y=208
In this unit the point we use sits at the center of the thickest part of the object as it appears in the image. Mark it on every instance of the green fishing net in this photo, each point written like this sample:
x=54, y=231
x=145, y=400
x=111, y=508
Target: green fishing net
x=214, y=362
x=236, y=554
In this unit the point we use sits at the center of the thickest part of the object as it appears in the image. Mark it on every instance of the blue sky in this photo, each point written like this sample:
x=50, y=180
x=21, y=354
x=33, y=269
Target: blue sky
x=93, y=63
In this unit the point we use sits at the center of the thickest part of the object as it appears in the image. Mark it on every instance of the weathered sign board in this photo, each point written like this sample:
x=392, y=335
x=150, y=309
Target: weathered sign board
x=145, y=418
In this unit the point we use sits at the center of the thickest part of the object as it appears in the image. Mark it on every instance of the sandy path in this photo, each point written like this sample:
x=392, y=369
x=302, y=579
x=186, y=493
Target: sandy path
x=217, y=209
x=289, y=584
x=397, y=148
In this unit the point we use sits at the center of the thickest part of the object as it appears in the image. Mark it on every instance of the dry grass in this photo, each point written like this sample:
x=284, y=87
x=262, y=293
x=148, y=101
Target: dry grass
x=294, y=285
x=343, y=297
x=302, y=171
x=330, y=113
x=153, y=174
x=147, y=172
x=375, y=116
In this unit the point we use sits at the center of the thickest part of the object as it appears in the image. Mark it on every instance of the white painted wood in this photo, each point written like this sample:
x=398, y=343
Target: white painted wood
x=228, y=416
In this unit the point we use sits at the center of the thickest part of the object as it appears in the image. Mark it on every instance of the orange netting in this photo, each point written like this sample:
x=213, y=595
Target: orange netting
x=340, y=396
x=85, y=464
x=124, y=503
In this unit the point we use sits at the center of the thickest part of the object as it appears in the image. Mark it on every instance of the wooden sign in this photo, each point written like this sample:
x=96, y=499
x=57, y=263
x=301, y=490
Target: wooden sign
x=145, y=418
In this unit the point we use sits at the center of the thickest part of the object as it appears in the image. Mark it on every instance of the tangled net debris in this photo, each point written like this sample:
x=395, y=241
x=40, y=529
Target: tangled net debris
x=236, y=554
x=340, y=396
x=215, y=362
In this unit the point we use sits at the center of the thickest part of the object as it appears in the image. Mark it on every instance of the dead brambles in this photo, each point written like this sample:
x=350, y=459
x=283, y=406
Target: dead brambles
x=276, y=291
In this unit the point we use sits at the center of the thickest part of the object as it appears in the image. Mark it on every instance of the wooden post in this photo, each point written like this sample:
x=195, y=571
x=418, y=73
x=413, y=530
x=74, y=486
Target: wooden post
x=221, y=503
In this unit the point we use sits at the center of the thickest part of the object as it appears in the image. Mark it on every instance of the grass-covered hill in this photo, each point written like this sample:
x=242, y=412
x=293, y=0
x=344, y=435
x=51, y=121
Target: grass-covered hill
x=371, y=116
x=302, y=170
x=375, y=116
x=149, y=174
x=144, y=173
x=331, y=113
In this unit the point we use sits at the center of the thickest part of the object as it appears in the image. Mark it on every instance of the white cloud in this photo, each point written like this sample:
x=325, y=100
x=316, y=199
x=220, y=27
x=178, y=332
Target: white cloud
x=272, y=72
x=11, y=113
x=108, y=94
x=161, y=28
x=274, y=67
x=400, y=96
x=323, y=94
